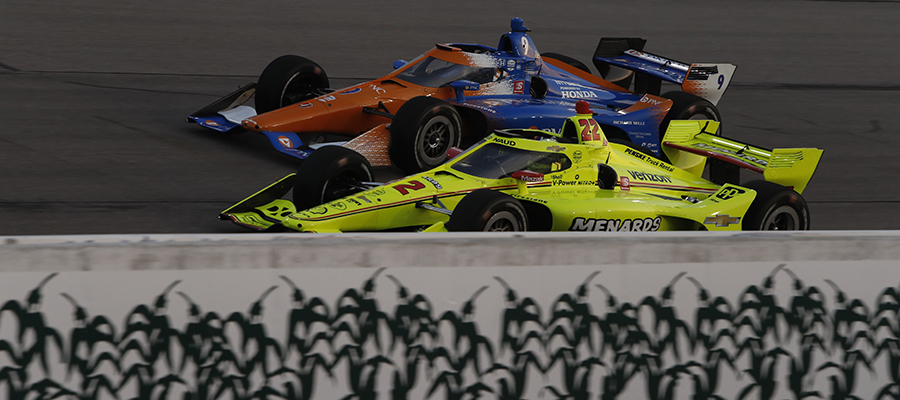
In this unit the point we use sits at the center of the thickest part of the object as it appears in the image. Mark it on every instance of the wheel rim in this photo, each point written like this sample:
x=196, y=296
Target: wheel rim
x=503, y=221
x=297, y=89
x=435, y=139
x=341, y=186
x=783, y=218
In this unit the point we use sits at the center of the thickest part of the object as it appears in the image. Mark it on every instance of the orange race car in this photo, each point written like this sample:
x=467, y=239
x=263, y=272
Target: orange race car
x=412, y=116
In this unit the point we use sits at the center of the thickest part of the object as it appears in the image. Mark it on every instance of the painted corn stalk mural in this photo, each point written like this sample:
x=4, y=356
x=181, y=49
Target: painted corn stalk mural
x=383, y=337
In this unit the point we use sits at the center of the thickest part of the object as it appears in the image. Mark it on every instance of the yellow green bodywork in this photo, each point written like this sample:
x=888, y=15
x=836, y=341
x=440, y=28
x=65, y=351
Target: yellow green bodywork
x=647, y=195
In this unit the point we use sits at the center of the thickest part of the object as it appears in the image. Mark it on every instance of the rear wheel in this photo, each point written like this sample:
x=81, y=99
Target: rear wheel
x=568, y=60
x=485, y=210
x=775, y=208
x=423, y=129
x=687, y=106
x=287, y=80
x=328, y=174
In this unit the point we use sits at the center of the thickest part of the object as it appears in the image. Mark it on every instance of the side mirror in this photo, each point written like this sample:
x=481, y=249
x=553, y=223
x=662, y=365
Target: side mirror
x=399, y=63
x=453, y=152
x=460, y=86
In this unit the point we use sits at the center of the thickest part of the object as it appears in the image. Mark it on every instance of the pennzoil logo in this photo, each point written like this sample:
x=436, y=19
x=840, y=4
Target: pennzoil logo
x=721, y=220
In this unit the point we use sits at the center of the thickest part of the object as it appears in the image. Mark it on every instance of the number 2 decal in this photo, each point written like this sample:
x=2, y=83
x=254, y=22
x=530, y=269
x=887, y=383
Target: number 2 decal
x=589, y=128
x=412, y=185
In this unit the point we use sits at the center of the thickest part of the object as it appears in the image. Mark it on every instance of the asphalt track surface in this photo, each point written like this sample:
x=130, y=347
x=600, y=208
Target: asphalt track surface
x=93, y=94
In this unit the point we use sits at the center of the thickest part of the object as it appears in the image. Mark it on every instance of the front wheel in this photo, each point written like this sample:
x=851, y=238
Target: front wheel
x=287, y=80
x=328, y=174
x=423, y=129
x=775, y=208
x=485, y=210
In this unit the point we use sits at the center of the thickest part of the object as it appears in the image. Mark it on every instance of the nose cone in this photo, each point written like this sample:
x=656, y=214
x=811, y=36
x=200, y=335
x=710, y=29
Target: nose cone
x=250, y=124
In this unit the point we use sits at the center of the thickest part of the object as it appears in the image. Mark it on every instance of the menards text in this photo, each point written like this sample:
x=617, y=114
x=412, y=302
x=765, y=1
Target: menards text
x=615, y=225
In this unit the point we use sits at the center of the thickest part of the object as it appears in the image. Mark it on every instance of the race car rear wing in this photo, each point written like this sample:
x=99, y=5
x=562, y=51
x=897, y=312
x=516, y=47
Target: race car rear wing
x=689, y=143
x=708, y=81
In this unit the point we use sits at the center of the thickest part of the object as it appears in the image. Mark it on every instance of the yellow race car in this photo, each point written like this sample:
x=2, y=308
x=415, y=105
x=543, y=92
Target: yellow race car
x=528, y=179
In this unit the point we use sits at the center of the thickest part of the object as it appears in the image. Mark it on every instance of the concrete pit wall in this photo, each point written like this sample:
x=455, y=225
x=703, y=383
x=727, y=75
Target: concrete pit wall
x=534, y=315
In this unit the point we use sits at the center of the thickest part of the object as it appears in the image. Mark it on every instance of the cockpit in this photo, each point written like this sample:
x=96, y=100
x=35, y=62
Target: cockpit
x=433, y=72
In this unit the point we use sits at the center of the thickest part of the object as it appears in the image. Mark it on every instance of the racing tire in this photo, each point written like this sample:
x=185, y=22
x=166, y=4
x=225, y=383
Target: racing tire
x=423, y=129
x=775, y=208
x=287, y=80
x=568, y=60
x=328, y=174
x=486, y=210
x=687, y=106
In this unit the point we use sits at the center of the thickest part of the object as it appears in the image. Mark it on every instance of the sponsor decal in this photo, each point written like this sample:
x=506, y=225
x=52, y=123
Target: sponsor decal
x=721, y=220
x=576, y=156
x=211, y=123
x=357, y=90
x=737, y=154
x=729, y=192
x=557, y=176
x=507, y=142
x=364, y=198
x=434, y=182
x=285, y=141
x=377, y=89
x=378, y=192
x=510, y=64
x=641, y=123
x=492, y=103
x=615, y=225
x=518, y=196
x=650, y=101
x=556, y=149
x=576, y=182
x=649, y=160
x=624, y=183
x=519, y=87
x=648, y=177
x=340, y=206
x=327, y=99
x=354, y=201
x=316, y=210
x=577, y=94
x=305, y=105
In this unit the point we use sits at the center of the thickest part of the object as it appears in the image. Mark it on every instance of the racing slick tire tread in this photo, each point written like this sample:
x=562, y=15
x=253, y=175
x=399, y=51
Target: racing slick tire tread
x=286, y=75
x=329, y=173
x=775, y=207
x=568, y=60
x=688, y=106
x=481, y=209
x=423, y=129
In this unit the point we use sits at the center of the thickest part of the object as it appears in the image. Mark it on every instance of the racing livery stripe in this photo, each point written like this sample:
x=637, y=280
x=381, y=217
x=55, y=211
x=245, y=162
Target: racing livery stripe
x=671, y=187
x=414, y=200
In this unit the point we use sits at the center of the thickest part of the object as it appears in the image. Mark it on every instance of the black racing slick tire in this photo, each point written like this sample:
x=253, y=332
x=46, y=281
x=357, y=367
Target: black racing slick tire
x=568, y=60
x=328, y=174
x=775, y=208
x=287, y=80
x=485, y=210
x=687, y=106
x=423, y=129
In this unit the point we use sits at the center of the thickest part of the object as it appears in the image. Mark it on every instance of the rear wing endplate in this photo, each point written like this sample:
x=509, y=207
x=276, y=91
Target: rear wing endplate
x=688, y=143
x=708, y=81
